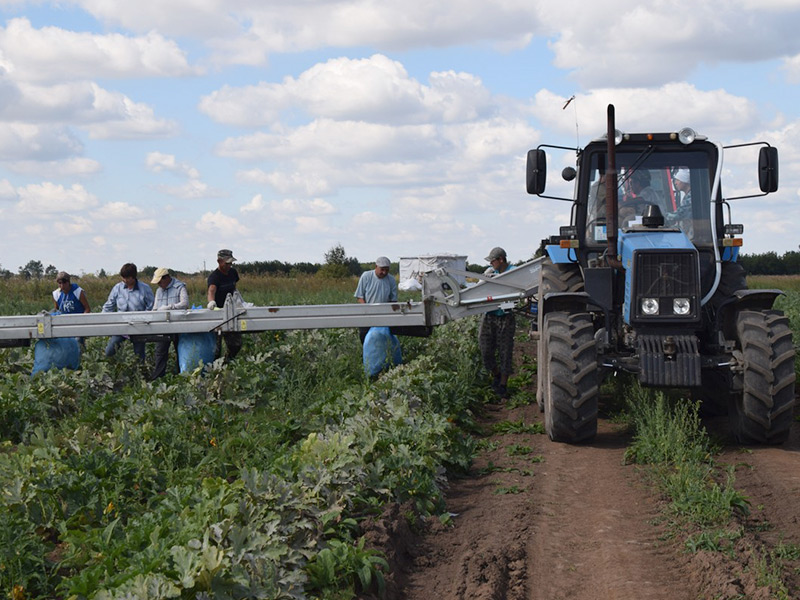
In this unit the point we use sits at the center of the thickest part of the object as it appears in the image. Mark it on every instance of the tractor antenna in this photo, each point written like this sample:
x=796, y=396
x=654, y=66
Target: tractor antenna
x=574, y=108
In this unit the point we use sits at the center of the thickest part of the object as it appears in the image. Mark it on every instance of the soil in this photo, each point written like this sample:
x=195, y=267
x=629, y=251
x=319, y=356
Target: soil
x=539, y=520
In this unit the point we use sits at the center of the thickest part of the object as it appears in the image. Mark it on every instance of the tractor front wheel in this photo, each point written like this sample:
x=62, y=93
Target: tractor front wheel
x=554, y=278
x=570, y=377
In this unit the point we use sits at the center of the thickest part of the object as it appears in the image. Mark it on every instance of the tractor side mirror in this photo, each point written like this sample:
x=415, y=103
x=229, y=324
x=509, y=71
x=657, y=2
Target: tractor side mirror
x=768, y=169
x=536, y=171
x=569, y=173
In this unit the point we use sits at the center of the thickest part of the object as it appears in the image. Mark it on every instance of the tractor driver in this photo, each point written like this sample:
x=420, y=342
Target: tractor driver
x=641, y=195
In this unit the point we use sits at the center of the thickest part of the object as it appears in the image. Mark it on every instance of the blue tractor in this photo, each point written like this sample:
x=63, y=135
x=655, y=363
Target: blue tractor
x=645, y=280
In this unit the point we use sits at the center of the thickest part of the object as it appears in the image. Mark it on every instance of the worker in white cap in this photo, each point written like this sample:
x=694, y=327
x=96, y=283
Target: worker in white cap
x=681, y=182
x=376, y=286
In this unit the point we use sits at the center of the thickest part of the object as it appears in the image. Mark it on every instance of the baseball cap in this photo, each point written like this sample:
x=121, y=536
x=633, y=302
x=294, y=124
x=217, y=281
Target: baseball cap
x=383, y=261
x=495, y=253
x=226, y=255
x=160, y=272
x=682, y=175
x=62, y=276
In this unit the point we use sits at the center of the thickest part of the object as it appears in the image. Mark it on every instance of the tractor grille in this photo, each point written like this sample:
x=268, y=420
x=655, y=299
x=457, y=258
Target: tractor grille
x=666, y=276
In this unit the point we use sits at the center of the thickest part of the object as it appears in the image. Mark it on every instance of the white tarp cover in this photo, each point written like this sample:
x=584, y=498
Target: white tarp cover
x=411, y=266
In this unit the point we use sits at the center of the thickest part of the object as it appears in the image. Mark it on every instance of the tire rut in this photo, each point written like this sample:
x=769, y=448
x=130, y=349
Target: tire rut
x=541, y=520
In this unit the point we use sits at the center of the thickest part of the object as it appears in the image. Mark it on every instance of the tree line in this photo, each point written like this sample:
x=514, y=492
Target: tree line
x=338, y=264
x=769, y=263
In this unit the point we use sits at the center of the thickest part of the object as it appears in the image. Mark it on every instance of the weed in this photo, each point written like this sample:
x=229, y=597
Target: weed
x=487, y=445
x=509, y=427
x=518, y=450
x=508, y=490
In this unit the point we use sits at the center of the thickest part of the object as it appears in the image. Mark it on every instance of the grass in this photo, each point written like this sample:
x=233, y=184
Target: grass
x=679, y=456
x=25, y=297
x=670, y=439
x=787, y=283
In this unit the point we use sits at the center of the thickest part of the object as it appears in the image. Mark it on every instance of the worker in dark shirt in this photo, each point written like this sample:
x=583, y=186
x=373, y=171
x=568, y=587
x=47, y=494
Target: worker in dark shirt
x=222, y=282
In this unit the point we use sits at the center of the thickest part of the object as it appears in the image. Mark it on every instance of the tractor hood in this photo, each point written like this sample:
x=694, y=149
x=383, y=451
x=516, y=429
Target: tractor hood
x=661, y=264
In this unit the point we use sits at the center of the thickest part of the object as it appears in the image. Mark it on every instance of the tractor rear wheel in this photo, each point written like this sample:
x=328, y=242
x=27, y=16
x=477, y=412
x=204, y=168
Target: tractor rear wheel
x=554, y=278
x=570, y=377
x=762, y=413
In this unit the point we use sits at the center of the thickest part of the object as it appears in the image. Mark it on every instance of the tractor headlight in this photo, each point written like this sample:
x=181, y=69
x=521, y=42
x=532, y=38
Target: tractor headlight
x=687, y=135
x=681, y=306
x=650, y=306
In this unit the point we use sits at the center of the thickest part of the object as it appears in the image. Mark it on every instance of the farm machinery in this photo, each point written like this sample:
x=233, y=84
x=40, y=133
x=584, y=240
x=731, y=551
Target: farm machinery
x=645, y=280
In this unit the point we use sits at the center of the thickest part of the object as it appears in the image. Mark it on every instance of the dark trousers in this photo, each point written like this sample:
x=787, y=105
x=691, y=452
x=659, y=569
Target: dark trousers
x=233, y=342
x=116, y=340
x=162, y=354
x=496, y=340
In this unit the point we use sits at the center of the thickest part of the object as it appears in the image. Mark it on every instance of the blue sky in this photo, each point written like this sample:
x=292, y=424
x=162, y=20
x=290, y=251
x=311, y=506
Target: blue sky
x=156, y=133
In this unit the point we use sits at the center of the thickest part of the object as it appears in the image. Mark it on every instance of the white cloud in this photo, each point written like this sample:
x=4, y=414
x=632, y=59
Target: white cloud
x=82, y=104
x=289, y=182
x=615, y=44
x=53, y=54
x=158, y=162
x=245, y=32
x=374, y=89
x=48, y=197
x=670, y=107
x=342, y=140
x=68, y=167
x=191, y=190
x=118, y=211
x=367, y=219
x=72, y=226
x=315, y=207
x=256, y=204
x=220, y=223
x=118, y=117
x=311, y=225
x=23, y=141
x=7, y=191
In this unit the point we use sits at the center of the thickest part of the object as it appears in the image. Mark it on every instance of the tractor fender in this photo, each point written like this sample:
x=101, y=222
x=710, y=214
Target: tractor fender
x=568, y=302
x=739, y=300
x=755, y=299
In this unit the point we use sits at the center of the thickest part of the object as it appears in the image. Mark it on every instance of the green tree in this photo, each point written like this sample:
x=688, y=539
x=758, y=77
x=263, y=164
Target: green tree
x=338, y=264
x=50, y=272
x=34, y=269
x=336, y=256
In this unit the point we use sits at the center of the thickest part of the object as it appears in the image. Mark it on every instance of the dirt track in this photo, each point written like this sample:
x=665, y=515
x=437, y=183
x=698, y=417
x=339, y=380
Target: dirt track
x=574, y=522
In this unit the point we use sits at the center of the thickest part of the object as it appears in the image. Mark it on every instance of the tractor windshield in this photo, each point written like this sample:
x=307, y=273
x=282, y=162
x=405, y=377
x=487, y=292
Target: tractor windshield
x=678, y=182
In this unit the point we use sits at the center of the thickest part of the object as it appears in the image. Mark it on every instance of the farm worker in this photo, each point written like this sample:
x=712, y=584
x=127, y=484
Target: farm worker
x=496, y=333
x=376, y=286
x=222, y=282
x=683, y=214
x=641, y=194
x=681, y=182
x=69, y=298
x=128, y=295
x=170, y=295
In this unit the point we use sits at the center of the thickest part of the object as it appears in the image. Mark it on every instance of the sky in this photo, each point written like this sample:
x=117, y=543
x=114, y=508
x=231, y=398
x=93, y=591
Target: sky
x=159, y=132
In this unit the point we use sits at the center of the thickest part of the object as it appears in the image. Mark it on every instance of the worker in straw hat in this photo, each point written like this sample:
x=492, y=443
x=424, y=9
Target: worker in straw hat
x=170, y=295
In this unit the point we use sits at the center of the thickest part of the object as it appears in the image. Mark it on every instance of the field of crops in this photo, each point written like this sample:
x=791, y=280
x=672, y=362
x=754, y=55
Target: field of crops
x=250, y=481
